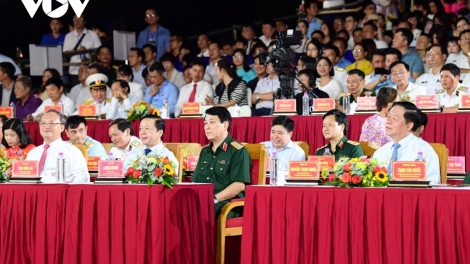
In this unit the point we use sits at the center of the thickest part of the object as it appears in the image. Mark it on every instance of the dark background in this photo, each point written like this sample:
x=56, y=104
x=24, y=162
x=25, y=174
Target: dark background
x=185, y=17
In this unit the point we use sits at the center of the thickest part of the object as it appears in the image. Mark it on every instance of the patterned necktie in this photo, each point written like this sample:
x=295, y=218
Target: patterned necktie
x=193, y=94
x=394, y=158
x=43, y=158
x=147, y=151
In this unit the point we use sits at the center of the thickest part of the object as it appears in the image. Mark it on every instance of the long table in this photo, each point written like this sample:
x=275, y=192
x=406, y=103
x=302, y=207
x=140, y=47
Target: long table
x=355, y=225
x=44, y=223
x=450, y=129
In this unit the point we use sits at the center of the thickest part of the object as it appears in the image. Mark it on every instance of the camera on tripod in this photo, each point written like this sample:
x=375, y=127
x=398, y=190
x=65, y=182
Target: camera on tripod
x=282, y=59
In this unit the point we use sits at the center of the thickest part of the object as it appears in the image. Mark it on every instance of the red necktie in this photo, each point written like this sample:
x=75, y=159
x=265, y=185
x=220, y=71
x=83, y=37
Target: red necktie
x=193, y=94
x=43, y=158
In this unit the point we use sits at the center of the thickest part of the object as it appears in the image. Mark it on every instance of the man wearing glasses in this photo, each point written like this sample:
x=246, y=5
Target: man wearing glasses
x=461, y=59
x=51, y=125
x=408, y=91
x=154, y=34
x=435, y=58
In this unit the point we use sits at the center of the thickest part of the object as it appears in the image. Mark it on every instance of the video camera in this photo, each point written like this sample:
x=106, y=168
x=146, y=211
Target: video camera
x=282, y=59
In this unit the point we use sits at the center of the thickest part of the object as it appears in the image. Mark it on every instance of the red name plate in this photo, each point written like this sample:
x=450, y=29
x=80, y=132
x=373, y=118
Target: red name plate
x=465, y=101
x=409, y=170
x=25, y=168
x=323, y=104
x=191, y=108
x=192, y=162
x=285, y=105
x=111, y=169
x=53, y=107
x=92, y=163
x=427, y=101
x=325, y=161
x=366, y=103
x=87, y=110
x=305, y=170
x=7, y=111
x=456, y=165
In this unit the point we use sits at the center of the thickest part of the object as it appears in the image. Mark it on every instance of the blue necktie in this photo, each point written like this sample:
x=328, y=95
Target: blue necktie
x=147, y=151
x=394, y=158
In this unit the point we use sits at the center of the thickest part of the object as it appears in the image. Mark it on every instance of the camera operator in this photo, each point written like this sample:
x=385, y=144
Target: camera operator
x=307, y=79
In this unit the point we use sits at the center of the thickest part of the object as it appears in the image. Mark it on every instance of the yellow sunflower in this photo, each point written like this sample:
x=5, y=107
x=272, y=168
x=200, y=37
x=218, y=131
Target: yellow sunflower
x=168, y=169
x=381, y=176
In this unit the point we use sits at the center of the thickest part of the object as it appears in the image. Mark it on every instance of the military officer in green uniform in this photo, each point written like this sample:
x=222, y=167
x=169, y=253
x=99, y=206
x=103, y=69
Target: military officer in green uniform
x=224, y=162
x=335, y=125
x=355, y=83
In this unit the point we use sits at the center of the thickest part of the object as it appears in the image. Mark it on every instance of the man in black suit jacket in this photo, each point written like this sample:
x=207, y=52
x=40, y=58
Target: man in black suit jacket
x=7, y=83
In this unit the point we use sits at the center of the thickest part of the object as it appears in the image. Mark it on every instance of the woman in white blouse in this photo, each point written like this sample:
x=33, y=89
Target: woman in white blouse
x=122, y=101
x=54, y=89
x=124, y=72
x=171, y=74
x=326, y=82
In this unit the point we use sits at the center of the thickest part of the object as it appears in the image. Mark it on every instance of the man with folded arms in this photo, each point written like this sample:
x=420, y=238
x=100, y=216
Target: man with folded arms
x=76, y=130
x=122, y=136
x=449, y=96
x=197, y=90
x=224, y=162
x=51, y=125
x=402, y=120
x=152, y=129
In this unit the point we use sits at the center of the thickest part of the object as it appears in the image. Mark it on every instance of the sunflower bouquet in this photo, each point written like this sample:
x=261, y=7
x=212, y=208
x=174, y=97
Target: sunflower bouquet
x=152, y=169
x=356, y=172
x=140, y=109
x=5, y=166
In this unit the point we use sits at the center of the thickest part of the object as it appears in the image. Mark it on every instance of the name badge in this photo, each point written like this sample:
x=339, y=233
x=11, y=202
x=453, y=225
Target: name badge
x=409, y=170
x=304, y=170
x=456, y=165
x=465, y=101
x=25, y=169
x=87, y=110
x=285, y=105
x=92, y=163
x=323, y=104
x=192, y=162
x=58, y=108
x=191, y=108
x=325, y=162
x=7, y=111
x=427, y=101
x=110, y=169
x=366, y=103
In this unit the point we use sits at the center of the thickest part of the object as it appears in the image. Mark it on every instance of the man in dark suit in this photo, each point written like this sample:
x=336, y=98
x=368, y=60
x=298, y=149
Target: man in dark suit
x=7, y=83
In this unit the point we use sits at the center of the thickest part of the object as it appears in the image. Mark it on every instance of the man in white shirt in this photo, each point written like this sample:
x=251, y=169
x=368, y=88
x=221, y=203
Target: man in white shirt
x=215, y=56
x=435, y=58
x=203, y=44
x=377, y=62
x=7, y=84
x=403, y=119
x=350, y=23
x=151, y=132
x=197, y=90
x=55, y=92
x=75, y=91
x=51, y=126
x=122, y=136
x=78, y=40
x=268, y=29
x=121, y=101
x=449, y=96
x=264, y=93
x=248, y=33
x=85, y=94
x=369, y=31
x=136, y=61
x=97, y=84
x=408, y=91
x=461, y=59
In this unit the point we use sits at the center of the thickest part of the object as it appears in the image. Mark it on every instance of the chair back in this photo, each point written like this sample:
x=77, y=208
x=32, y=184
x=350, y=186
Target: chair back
x=107, y=146
x=259, y=156
x=83, y=149
x=3, y=153
x=443, y=153
x=305, y=147
x=186, y=150
x=368, y=150
x=173, y=147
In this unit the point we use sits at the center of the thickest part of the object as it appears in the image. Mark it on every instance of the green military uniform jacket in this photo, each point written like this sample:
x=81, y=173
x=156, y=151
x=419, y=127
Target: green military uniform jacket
x=344, y=148
x=351, y=97
x=110, y=72
x=467, y=179
x=228, y=164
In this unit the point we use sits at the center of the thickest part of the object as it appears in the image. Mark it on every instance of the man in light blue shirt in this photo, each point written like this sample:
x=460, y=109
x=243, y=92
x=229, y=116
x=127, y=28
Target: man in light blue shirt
x=76, y=130
x=403, y=119
x=161, y=89
x=314, y=23
x=154, y=34
x=401, y=41
x=281, y=143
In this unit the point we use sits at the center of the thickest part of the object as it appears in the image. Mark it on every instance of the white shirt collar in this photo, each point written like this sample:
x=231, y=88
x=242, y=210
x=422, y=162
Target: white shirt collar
x=54, y=143
x=85, y=31
x=404, y=141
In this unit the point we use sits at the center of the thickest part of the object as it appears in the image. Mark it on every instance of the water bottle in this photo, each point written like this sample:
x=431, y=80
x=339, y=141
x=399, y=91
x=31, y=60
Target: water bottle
x=236, y=111
x=327, y=152
x=346, y=105
x=61, y=168
x=273, y=168
x=98, y=109
x=164, y=112
x=420, y=157
x=13, y=106
x=110, y=156
x=61, y=106
x=305, y=104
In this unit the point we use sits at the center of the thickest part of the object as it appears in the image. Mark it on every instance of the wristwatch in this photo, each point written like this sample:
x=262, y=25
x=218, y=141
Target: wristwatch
x=257, y=97
x=215, y=200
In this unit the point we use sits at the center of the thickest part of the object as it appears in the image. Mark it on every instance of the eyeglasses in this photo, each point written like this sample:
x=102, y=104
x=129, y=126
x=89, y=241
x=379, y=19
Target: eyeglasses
x=51, y=124
x=314, y=49
x=357, y=51
x=78, y=19
x=429, y=54
x=465, y=38
x=150, y=15
x=395, y=74
x=237, y=56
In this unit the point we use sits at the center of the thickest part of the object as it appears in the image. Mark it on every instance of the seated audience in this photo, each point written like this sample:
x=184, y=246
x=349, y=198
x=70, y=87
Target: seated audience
x=161, y=89
x=402, y=120
x=136, y=61
x=82, y=75
x=314, y=49
x=370, y=31
x=27, y=102
x=241, y=63
x=229, y=177
x=16, y=139
x=122, y=136
x=227, y=49
x=281, y=143
x=56, y=37
x=203, y=42
x=121, y=101
x=266, y=89
x=355, y=84
x=326, y=82
x=449, y=96
x=423, y=121
x=98, y=87
x=302, y=26
x=335, y=126
x=231, y=90
x=3, y=119
x=268, y=29
x=171, y=74
x=333, y=54
x=47, y=73
x=307, y=77
x=384, y=80
x=373, y=129
x=51, y=126
x=54, y=89
x=152, y=129
x=124, y=72
x=342, y=44
x=435, y=58
x=401, y=41
x=329, y=32
x=105, y=57
x=85, y=94
x=150, y=52
x=378, y=65
x=260, y=70
x=76, y=130
x=407, y=90
x=361, y=63
x=215, y=56
x=7, y=84
x=196, y=91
